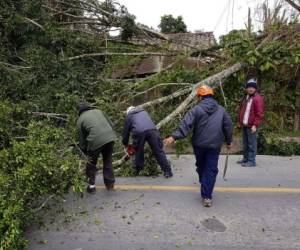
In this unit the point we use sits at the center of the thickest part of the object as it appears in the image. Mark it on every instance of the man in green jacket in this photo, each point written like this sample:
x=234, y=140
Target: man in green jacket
x=96, y=136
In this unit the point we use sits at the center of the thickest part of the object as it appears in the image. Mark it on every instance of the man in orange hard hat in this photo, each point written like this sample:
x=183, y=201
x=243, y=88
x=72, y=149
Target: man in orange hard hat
x=211, y=124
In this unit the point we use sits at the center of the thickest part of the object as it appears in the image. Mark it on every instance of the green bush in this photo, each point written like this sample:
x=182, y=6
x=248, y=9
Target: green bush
x=31, y=171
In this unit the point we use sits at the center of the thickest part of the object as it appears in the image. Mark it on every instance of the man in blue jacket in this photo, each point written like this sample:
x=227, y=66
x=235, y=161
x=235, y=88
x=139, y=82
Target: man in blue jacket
x=139, y=123
x=211, y=124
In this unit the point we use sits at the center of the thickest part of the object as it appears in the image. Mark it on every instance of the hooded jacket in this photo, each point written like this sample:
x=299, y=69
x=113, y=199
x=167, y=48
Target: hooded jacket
x=210, y=122
x=137, y=121
x=95, y=129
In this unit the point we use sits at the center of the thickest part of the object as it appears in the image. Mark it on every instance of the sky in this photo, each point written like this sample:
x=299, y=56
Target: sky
x=219, y=16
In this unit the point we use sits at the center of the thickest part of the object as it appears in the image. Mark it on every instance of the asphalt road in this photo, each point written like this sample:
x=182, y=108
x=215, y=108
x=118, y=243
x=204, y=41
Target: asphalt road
x=256, y=208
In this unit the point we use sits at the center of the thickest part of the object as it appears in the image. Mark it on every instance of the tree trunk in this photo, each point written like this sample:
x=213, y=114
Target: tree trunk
x=297, y=104
x=211, y=81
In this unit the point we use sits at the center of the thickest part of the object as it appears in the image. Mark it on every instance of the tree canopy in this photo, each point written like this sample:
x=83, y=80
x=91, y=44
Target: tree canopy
x=170, y=24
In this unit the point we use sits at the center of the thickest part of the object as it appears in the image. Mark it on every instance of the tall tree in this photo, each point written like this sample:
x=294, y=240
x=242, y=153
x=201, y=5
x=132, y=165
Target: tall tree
x=170, y=24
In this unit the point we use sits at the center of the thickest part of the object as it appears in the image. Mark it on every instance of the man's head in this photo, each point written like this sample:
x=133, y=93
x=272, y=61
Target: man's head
x=251, y=86
x=83, y=106
x=131, y=108
x=204, y=91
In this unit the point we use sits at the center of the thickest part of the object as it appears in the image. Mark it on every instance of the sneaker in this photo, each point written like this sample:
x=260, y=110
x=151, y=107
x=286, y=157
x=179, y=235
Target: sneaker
x=241, y=161
x=168, y=174
x=207, y=202
x=110, y=186
x=91, y=189
x=248, y=164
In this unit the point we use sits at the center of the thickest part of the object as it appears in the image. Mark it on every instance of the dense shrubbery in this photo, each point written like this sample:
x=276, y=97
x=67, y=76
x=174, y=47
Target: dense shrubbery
x=32, y=170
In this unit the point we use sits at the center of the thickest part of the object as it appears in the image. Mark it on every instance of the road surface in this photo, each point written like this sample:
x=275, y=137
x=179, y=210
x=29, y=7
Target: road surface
x=256, y=208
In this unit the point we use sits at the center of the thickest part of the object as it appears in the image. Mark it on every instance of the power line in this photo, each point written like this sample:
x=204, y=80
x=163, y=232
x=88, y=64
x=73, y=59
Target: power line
x=222, y=14
x=227, y=19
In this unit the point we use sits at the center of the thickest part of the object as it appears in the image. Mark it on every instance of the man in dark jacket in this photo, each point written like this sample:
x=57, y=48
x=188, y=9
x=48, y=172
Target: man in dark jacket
x=139, y=123
x=96, y=136
x=250, y=116
x=210, y=124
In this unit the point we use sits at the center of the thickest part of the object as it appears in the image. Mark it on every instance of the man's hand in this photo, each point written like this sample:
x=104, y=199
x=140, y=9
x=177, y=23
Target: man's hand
x=238, y=125
x=169, y=140
x=253, y=129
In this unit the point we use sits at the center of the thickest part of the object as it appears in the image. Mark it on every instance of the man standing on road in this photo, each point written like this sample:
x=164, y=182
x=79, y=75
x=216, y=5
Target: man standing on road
x=210, y=123
x=250, y=116
x=96, y=136
x=139, y=123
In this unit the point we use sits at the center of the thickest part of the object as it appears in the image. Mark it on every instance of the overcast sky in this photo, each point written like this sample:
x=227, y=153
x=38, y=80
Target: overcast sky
x=219, y=16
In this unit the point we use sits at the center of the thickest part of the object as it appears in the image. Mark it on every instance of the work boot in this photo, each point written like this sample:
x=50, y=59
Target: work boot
x=207, y=202
x=91, y=189
x=248, y=164
x=241, y=161
x=110, y=186
x=168, y=174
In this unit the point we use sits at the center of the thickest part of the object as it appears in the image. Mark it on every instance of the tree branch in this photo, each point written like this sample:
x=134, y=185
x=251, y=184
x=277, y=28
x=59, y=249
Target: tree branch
x=293, y=4
x=15, y=66
x=44, y=203
x=212, y=80
x=166, y=98
x=159, y=85
x=116, y=54
x=62, y=117
x=34, y=23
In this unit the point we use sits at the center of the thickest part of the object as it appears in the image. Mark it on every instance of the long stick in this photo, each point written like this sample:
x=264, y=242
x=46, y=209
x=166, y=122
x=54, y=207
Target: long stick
x=226, y=165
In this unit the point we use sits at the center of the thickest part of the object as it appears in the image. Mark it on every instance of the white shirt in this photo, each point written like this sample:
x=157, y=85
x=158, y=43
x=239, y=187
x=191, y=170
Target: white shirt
x=247, y=111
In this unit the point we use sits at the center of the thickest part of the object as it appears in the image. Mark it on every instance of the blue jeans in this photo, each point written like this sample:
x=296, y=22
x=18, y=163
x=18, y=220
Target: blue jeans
x=207, y=169
x=152, y=137
x=249, y=145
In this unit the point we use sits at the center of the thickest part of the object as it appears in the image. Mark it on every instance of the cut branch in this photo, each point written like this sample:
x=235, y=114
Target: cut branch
x=34, y=23
x=160, y=85
x=15, y=66
x=212, y=80
x=62, y=117
x=293, y=4
x=117, y=54
x=165, y=98
x=44, y=203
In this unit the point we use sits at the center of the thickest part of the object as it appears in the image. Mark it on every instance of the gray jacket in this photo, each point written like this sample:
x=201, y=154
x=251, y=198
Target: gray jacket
x=210, y=122
x=137, y=121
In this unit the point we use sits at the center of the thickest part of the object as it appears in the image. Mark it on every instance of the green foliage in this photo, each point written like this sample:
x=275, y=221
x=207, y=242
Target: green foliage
x=274, y=144
x=30, y=171
x=128, y=27
x=151, y=167
x=170, y=24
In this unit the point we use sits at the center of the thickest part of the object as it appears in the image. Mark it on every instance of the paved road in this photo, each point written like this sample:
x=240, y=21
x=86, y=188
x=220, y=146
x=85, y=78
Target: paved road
x=256, y=208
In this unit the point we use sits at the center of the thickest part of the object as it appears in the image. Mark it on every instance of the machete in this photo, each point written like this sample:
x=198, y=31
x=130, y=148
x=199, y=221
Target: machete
x=226, y=165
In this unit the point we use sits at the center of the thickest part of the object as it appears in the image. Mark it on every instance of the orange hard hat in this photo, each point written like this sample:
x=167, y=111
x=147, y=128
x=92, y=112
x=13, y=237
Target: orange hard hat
x=205, y=90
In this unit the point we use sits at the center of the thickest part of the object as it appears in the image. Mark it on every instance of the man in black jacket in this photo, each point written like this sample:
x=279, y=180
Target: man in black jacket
x=139, y=123
x=210, y=123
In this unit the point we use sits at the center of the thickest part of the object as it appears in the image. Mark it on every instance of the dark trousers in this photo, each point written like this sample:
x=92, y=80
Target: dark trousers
x=152, y=137
x=249, y=145
x=207, y=169
x=91, y=166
